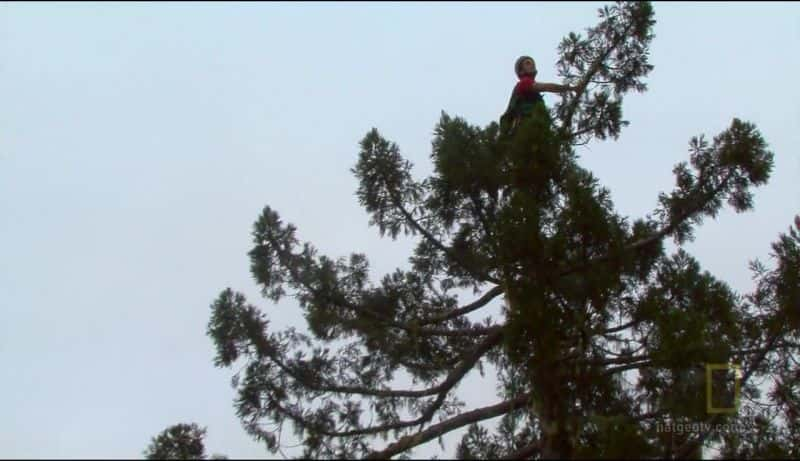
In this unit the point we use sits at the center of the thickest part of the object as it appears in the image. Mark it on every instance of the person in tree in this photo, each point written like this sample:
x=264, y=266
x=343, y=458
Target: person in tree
x=526, y=94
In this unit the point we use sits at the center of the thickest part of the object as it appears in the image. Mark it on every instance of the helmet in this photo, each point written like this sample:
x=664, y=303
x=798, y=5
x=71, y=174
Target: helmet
x=518, y=65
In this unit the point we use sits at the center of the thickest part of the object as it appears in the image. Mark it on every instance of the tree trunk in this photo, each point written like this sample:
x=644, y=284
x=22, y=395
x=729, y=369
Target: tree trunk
x=554, y=411
x=555, y=437
x=548, y=383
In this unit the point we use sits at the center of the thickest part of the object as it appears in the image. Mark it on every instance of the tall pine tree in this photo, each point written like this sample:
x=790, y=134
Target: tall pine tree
x=604, y=337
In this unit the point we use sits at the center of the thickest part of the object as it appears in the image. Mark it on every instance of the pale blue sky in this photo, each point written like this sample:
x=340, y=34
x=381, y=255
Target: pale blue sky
x=139, y=142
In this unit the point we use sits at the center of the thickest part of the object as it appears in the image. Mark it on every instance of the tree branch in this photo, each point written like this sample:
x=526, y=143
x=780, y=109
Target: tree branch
x=442, y=389
x=566, y=123
x=478, y=274
x=286, y=255
x=525, y=452
x=453, y=377
x=632, y=366
x=615, y=361
x=472, y=331
x=668, y=229
x=482, y=301
x=448, y=425
x=619, y=328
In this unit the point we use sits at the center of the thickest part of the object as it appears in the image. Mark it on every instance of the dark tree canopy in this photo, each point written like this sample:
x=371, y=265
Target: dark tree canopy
x=603, y=336
x=181, y=441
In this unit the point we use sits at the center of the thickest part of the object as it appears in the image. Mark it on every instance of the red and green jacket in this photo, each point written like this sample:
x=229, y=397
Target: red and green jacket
x=523, y=99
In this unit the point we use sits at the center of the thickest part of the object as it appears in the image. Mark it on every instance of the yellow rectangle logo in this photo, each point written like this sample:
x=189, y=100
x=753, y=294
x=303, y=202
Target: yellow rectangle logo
x=737, y=372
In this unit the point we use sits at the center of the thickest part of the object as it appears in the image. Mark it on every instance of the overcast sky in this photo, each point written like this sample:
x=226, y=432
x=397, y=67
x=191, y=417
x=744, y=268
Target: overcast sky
x=140, y=141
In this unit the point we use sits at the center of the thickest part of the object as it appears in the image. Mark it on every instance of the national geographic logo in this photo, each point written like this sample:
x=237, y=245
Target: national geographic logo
x=718, y=385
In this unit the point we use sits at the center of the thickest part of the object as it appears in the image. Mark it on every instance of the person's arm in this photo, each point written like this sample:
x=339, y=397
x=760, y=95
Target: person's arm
x=552, y=87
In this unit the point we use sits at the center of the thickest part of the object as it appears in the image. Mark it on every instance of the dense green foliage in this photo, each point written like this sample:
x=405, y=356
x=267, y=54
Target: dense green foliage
x=181, y=441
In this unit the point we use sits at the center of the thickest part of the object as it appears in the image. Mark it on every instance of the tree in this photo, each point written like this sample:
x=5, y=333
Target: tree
x=603, y=337
x=181, y=441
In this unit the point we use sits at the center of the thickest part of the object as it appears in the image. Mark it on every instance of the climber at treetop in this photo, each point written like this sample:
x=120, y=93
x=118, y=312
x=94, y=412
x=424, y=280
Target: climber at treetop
x=526, y=93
